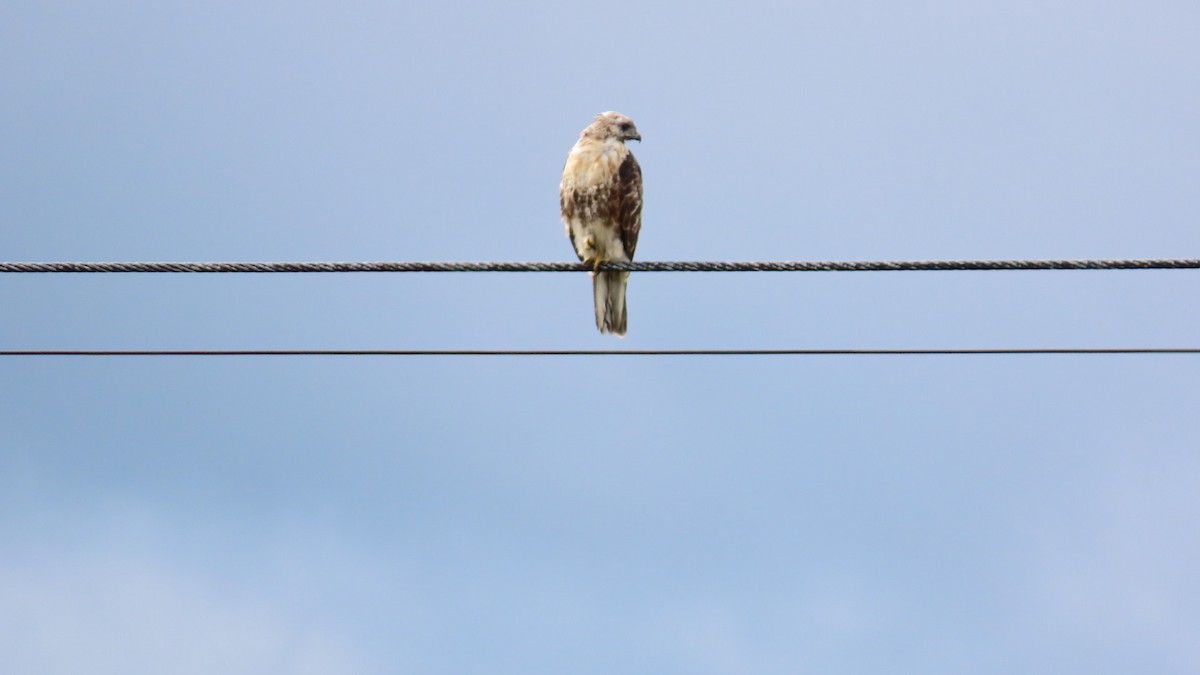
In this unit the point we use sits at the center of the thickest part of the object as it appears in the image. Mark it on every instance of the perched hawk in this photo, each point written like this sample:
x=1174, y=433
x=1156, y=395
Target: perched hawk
x=601, y=199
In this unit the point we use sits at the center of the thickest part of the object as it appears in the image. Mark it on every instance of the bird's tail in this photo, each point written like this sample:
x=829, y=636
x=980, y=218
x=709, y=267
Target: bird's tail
x=609, y=290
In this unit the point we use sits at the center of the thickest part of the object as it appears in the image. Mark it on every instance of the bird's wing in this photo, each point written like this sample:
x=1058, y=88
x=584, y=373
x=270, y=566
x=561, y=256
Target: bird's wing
x=627, y=210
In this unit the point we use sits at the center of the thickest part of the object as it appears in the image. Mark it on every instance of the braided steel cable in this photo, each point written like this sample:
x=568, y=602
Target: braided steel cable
x=662, y=266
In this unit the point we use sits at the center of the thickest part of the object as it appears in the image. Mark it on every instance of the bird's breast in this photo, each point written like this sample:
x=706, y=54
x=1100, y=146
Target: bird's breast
x=592, y=163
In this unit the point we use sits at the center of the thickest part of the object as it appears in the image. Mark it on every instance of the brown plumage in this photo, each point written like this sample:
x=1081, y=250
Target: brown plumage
x=601, y=200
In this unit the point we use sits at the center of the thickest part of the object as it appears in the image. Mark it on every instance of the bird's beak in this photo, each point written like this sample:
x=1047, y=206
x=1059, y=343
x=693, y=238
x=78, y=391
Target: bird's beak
x=636, y=137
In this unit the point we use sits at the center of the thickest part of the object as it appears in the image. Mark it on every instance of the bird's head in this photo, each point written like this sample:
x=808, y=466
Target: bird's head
x=612, y=125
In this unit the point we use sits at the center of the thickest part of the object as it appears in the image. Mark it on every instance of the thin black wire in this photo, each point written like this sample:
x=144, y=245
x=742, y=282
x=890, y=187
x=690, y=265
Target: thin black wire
x=601, y=352
x=666, y=266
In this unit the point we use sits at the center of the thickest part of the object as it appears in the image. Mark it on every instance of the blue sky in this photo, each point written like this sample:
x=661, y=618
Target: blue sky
x=673, y=515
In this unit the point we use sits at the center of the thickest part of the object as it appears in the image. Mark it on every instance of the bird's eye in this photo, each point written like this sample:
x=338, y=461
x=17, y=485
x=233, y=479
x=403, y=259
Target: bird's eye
x=625, y=126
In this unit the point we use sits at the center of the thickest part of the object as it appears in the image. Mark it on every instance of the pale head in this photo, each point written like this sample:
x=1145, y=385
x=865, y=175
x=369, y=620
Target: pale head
x=612, y=125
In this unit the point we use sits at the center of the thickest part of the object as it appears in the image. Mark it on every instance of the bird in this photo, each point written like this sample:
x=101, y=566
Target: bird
x=601, y=201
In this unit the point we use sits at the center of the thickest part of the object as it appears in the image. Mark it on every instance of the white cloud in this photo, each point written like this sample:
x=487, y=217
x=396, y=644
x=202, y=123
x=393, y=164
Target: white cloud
x=128, y=612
